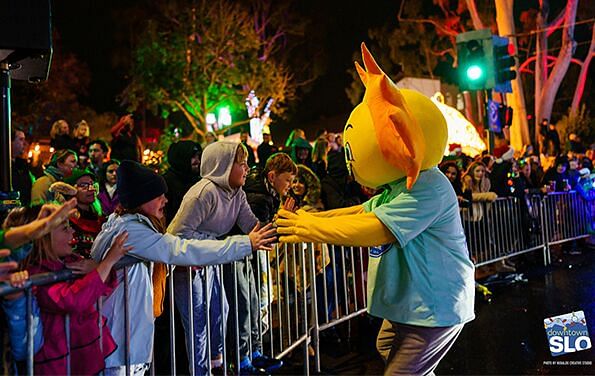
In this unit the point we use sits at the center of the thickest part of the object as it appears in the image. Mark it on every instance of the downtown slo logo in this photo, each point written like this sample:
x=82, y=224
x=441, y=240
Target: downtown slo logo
x=567, y=333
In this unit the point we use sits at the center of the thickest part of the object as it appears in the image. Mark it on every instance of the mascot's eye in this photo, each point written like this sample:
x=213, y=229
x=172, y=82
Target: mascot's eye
x=348, y=126
x=348, y=153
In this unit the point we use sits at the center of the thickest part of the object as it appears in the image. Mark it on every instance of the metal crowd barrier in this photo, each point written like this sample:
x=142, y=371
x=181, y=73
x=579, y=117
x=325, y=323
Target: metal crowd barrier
x=305, y=289
x=36, y=280
x=511, y=226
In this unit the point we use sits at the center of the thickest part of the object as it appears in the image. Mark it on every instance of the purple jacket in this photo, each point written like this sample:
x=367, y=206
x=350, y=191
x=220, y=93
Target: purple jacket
x=108, y=205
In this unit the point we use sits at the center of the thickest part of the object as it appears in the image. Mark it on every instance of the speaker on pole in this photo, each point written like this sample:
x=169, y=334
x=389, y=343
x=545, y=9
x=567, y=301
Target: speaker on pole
x=25, y=54
x=26, y=38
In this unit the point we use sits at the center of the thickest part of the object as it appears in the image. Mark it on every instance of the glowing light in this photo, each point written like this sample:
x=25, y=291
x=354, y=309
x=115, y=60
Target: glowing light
x=51, y=149
x=460, y=130
x=146, y=152
x=30, y=154
x=211, y=119
x=474, y=72
x=36, y=148
x=224, y=116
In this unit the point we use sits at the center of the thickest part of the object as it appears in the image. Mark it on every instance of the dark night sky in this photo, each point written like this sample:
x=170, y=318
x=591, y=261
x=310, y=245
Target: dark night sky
x=86, y=29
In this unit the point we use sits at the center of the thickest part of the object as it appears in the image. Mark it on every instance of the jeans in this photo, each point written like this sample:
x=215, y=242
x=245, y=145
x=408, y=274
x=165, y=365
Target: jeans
x=218, y=313
x=248, y=308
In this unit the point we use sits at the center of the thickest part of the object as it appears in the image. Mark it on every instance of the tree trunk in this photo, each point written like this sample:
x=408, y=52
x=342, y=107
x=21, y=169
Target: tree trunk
x=519, y=130
x=550, y=89
x=540, y=66
x=582, y=77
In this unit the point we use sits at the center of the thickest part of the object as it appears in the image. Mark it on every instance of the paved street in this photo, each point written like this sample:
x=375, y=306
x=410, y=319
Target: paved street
x=508, y=335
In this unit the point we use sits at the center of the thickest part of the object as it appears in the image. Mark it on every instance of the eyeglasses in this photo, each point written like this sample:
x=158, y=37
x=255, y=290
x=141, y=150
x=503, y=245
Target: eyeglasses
x=95, y=150
x=88, y=186
x=111, y=171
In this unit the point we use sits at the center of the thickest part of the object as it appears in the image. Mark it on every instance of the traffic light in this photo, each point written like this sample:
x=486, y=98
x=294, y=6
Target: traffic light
x=475, y=60
x=503, y=63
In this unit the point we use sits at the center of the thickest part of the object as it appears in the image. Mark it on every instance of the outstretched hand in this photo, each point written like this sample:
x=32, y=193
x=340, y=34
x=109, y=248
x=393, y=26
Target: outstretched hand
x=294, y=227
x=51, y=216
x=261, y=238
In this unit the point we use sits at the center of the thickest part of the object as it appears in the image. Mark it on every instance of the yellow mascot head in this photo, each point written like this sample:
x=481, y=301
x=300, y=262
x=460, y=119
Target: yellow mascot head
x=393, y=133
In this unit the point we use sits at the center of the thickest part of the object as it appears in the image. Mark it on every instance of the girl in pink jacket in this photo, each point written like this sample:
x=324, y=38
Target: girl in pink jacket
x=76, y=298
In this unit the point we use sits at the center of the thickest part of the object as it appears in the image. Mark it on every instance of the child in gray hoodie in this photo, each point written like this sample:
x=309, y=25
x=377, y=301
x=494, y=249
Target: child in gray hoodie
x=209, y=210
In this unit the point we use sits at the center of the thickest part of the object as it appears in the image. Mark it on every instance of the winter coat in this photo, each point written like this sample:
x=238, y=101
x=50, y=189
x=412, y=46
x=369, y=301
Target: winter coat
x=22, y=180
x=40, y=190
x=310, y=202
x=553, y=175
x=108, y=204
x=263, y=199
x=75, y=298
x=150, y=245
x=300, y=143
x=481, y=198
x=15, y=311
x=86, y=227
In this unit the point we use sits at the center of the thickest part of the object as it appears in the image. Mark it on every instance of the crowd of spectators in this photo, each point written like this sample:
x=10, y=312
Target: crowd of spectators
x=313, y=174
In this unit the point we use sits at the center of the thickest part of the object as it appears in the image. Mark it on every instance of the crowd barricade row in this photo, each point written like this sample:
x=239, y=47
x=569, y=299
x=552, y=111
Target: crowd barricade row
x=305, y=289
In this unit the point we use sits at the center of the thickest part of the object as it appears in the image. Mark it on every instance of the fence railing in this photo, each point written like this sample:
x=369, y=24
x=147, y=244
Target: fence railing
x=305, y=289
x=512, y=226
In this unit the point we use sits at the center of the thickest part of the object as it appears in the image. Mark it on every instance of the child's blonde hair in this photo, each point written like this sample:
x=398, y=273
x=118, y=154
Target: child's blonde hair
x=241, y=154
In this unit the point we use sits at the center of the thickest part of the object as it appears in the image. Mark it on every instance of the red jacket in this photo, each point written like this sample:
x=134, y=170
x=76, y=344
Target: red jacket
x=78, y=298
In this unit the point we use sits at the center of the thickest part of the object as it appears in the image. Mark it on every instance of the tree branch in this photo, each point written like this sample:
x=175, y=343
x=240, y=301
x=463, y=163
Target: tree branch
x=555, y=24
x=189, y=116
x=477, y=23
x=444, y=30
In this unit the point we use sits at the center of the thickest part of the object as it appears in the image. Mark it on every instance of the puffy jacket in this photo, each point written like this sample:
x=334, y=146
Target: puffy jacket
x=78, y=300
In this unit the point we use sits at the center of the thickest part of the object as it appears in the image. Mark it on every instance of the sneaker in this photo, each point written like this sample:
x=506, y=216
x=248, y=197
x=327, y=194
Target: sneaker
x=266, y=363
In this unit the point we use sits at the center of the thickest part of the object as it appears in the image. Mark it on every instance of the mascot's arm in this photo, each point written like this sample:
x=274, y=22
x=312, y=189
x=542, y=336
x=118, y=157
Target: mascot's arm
x=360, y=230
x=356, y=209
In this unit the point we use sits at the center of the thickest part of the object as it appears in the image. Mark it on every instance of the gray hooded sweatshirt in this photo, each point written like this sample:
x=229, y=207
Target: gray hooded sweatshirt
x=211, y=207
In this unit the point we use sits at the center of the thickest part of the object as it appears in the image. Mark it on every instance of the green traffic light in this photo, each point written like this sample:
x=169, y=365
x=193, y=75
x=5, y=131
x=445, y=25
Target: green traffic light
x=474, y=72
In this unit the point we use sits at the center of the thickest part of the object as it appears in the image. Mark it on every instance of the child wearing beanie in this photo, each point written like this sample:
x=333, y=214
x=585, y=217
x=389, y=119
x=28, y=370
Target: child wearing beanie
x=141, y=214
x=209, y=210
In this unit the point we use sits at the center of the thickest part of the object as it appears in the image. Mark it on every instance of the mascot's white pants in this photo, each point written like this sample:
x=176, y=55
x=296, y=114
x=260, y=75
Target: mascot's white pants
x=414, y=350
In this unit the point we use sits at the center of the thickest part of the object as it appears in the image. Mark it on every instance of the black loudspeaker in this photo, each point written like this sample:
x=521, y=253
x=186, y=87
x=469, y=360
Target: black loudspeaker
x=26, y=38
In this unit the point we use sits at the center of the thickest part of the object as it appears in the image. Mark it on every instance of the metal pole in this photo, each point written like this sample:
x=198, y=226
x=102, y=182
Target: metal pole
x=5, y=131
x=30, y=334
x=236, y=315
x=305, y=312
x=172, y=324
x=315, y=326
x=191, y=321
x=208, y=293
x=126, y=321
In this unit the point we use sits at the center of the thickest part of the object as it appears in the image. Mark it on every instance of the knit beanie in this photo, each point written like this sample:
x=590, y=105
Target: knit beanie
x=138, y=184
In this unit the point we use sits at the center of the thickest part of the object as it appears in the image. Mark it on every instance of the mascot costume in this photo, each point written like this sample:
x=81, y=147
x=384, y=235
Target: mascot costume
x=420, y=277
